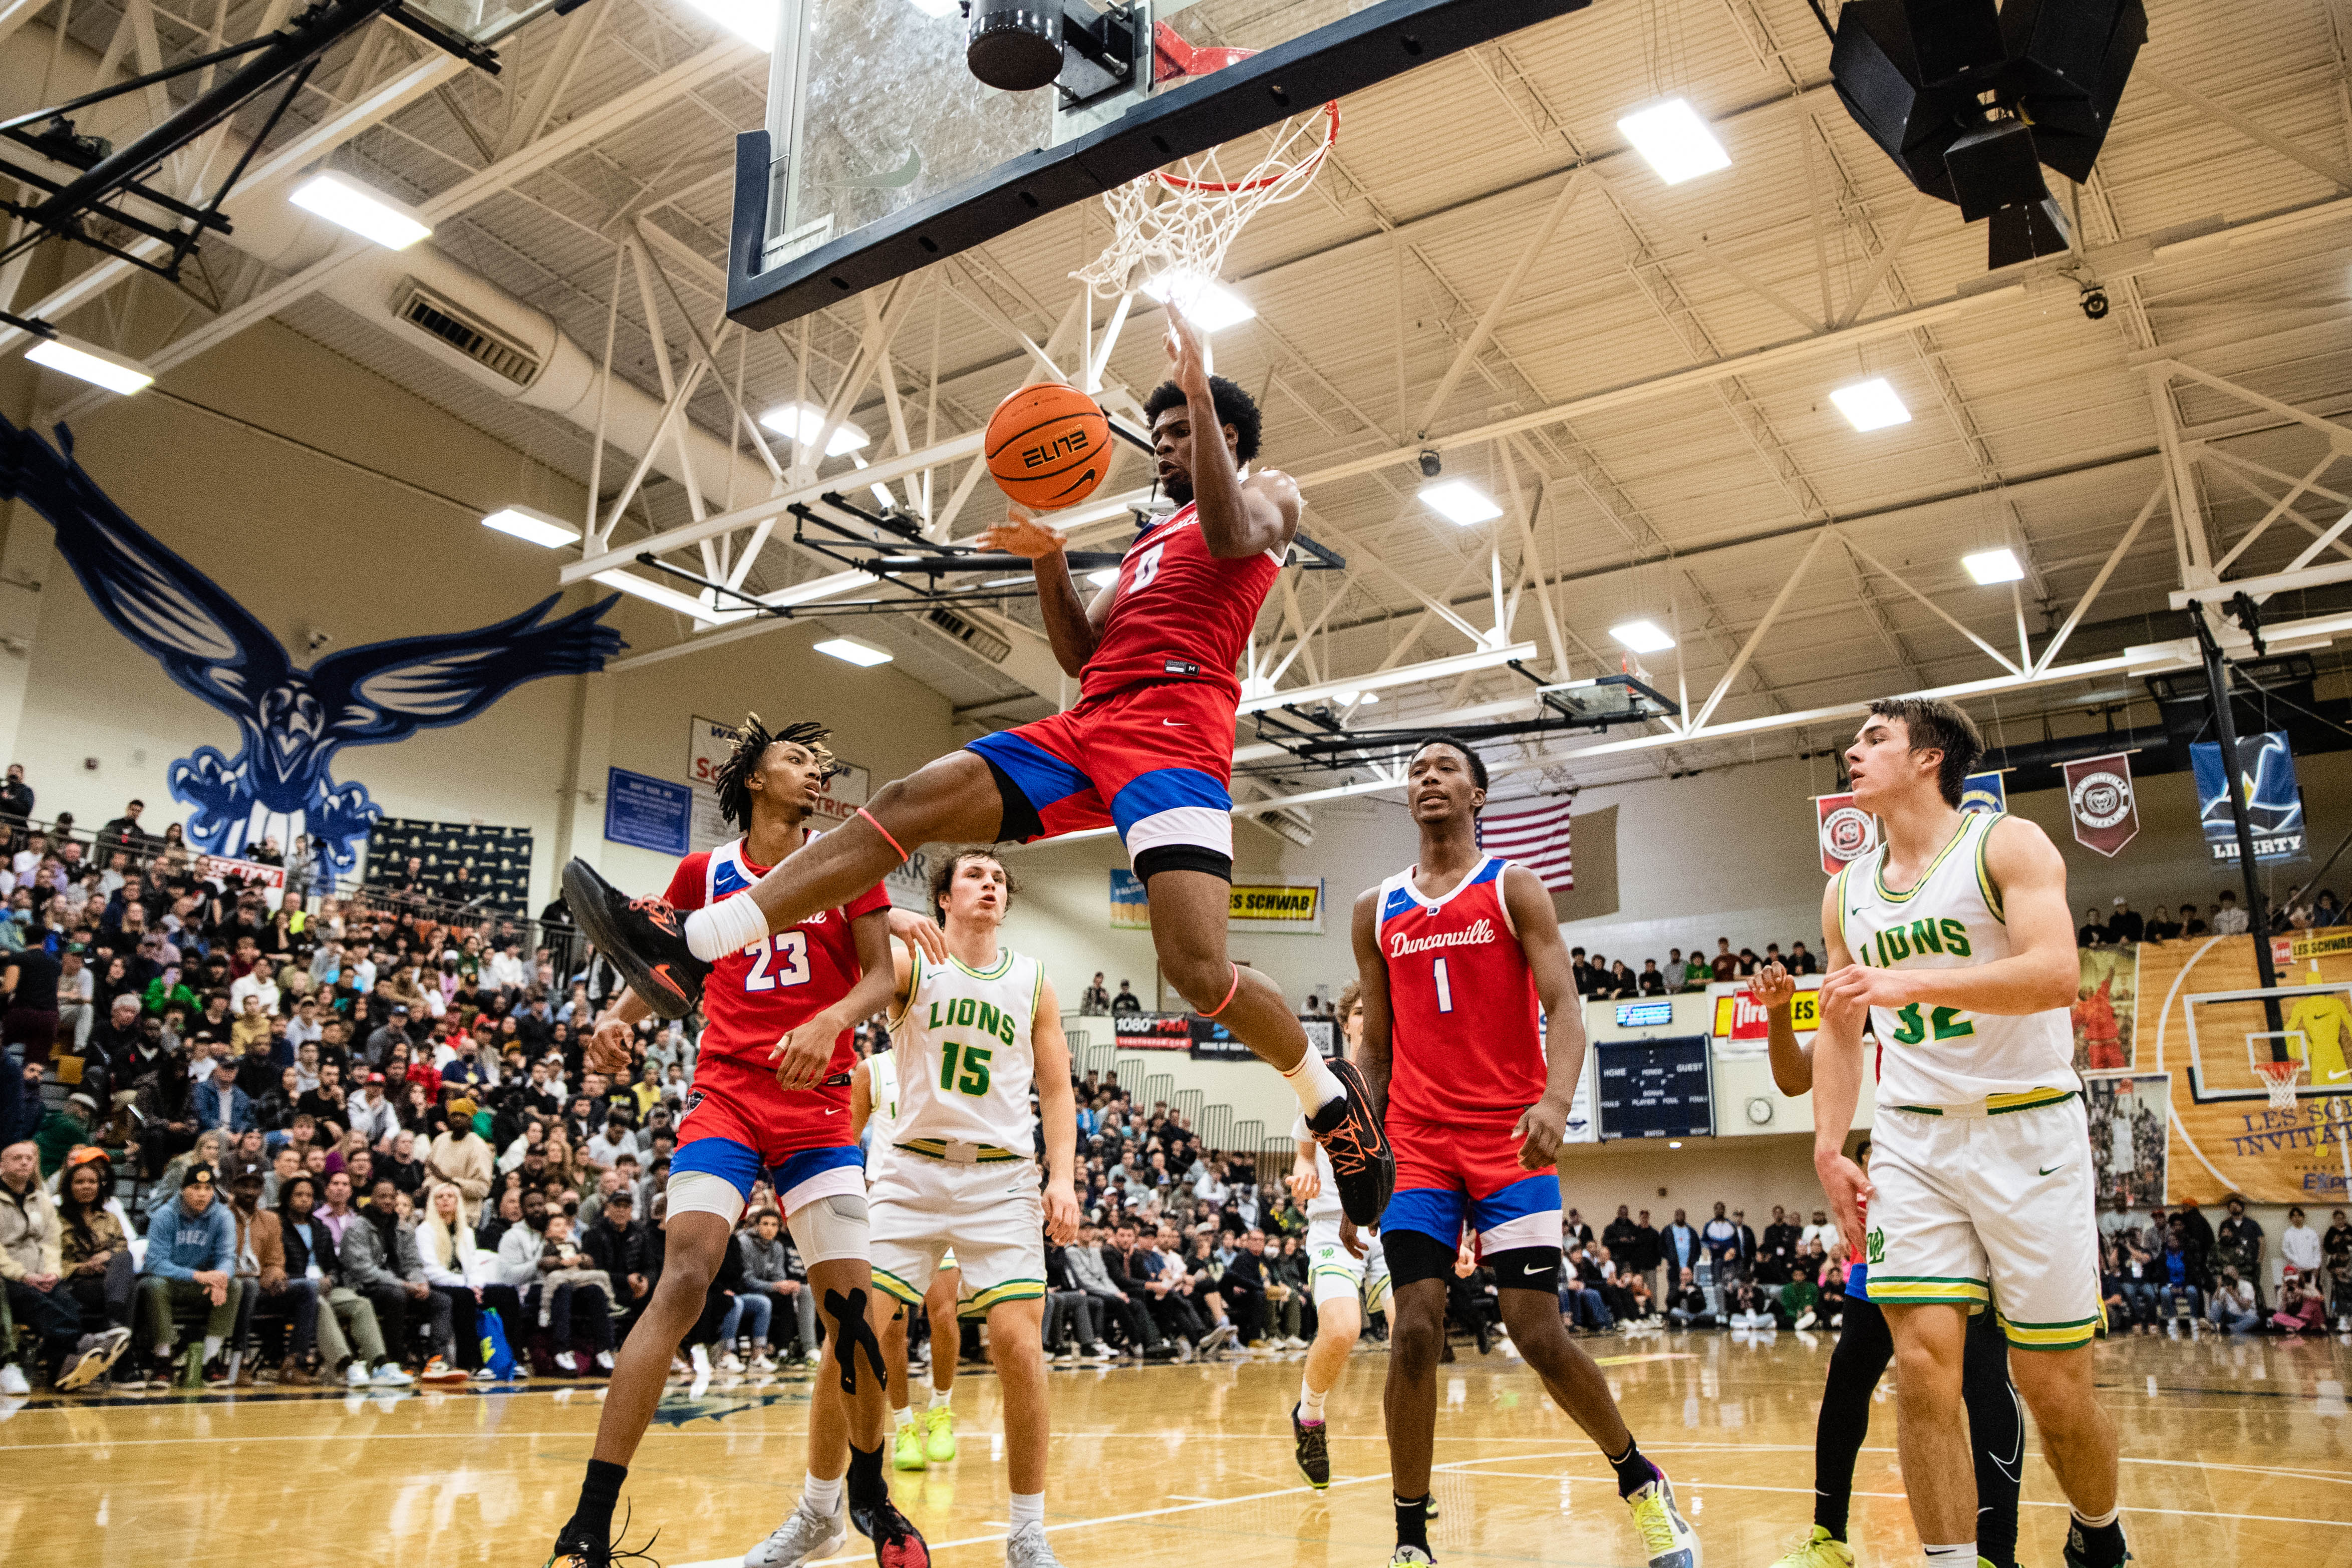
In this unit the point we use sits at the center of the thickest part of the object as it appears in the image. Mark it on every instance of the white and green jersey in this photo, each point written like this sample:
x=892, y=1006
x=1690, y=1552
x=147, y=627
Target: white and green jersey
x=965, y=1063
x=882, y=1122
x=1934, y=1057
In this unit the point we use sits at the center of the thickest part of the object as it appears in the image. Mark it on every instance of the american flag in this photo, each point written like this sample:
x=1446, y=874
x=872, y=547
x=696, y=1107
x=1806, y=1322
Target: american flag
x=1535, y=838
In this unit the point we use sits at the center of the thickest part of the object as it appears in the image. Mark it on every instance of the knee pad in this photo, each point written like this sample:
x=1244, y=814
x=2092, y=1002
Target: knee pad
x=704, y=1192
x=825, y=1229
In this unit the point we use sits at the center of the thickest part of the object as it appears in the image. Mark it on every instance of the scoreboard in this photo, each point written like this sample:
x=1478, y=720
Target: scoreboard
x=1656, y=1088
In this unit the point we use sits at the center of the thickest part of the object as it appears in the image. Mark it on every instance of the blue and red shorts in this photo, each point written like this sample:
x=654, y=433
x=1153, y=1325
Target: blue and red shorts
x=1154, y=761
x=739, y=1126
x=1447, y=1175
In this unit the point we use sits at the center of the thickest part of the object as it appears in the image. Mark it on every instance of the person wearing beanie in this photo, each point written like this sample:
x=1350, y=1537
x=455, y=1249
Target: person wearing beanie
x=460, y=1157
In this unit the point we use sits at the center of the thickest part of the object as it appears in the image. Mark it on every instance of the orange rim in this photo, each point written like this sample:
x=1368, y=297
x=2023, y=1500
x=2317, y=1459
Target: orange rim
x=1231, y=187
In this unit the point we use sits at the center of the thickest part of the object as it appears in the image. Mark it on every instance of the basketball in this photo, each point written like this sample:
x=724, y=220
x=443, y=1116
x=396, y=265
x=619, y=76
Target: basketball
x=1049, y=445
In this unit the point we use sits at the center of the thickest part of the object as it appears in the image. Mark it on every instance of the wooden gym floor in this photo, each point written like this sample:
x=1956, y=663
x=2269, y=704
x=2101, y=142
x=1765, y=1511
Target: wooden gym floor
x=2236, y=1456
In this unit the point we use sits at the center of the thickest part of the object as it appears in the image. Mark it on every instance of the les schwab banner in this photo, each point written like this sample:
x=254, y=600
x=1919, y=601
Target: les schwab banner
x=1250, y=908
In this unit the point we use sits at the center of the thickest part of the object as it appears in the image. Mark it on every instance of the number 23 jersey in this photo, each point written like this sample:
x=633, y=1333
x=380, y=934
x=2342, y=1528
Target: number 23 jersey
x=1465, y=1047
x=760, y=994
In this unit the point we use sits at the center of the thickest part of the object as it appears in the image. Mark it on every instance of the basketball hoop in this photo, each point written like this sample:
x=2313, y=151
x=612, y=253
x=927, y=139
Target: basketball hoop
x=2279, y=1081
x=1175, y=224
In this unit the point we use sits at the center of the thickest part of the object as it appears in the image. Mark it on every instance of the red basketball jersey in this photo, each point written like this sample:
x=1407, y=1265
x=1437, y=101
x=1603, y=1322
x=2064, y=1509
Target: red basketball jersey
x=1181, y=614
x=1465, y=1051
x=756, y=996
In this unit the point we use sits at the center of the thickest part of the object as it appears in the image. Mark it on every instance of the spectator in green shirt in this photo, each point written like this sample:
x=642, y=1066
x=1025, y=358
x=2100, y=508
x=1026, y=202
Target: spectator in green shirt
x=1697, y=972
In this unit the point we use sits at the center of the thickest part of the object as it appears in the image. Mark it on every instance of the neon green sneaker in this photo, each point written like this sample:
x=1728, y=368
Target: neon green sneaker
x=938, y=1443
x=1819, y=1549
x=1668, y=1538
x=907, y=1453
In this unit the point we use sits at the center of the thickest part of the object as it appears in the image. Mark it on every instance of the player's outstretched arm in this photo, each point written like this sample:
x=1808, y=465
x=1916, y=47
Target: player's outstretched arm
x=1792, y=1064
x=1072, y=625
x=1837, y=1066
x=1374, y=1052
x=1238, y=519
x=1058, y=1115
x=1544, y=1123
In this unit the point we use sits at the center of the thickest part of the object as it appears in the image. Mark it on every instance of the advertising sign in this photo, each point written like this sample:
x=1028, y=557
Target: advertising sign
x=648, y=812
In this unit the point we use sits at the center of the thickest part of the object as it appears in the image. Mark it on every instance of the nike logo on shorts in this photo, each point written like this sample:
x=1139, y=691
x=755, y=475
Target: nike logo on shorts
x=2059, y=1167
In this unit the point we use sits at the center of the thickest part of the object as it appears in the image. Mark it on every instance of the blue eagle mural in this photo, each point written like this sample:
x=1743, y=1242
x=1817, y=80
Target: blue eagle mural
x=292, y=721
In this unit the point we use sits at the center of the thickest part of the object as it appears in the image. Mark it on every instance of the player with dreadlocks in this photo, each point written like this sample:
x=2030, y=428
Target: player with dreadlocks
x=771, y=1097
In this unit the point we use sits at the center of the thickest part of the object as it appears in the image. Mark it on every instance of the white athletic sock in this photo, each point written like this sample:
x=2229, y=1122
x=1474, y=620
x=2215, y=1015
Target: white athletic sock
x=902, y=1418
x=940, y=1398
x=213, y=1343
x=1314, y=1081
x=824, y=1497
x=1311, y=1403
x=1026, y=1508
x=727, y=926
x=1963, y=1556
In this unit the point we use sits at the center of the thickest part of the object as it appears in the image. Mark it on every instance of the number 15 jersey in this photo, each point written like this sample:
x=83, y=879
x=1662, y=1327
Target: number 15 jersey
x=964, y=1059
x=756, y=996
x=1465, y=1050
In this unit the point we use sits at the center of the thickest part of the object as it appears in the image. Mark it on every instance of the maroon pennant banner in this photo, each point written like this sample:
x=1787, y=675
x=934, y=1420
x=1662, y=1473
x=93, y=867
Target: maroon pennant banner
x=2099, y=798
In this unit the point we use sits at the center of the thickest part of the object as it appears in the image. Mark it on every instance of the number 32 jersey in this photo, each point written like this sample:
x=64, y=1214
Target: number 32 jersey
x=756, y=996
x=1465, y=1050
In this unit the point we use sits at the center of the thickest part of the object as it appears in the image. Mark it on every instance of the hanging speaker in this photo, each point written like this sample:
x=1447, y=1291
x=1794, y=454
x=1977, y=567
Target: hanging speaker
x=2072, y=59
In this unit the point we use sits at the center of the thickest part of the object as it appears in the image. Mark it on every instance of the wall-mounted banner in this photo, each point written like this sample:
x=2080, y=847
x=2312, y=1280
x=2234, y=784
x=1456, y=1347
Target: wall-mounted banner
x=1848, y=833
x=1984, y=792
x=2099, y=799
x=291, y=722
x=1212, y=1041
x=1743, y=1028
x=1249, y=908
x=648, y=812
x=1153, y=1031
x=2274, y=804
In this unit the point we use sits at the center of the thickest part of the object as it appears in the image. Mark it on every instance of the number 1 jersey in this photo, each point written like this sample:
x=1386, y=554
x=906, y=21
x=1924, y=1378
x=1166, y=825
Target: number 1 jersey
x=756, y=996
x=1465, y=1047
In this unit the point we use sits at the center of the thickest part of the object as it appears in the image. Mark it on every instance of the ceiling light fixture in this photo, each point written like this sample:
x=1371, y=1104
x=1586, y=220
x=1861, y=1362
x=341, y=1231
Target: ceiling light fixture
x=536, y=527
x=800, y=422
x=1459, y=501
x=1206, y=303
x=1872, y=404
x=1673, y=141
x=88, y=362
x=1642, y=636
x=344, y=201
x=1006, y=581
x=667, y=597
x=753, y=21
x=849, y=650
x=1992, y=566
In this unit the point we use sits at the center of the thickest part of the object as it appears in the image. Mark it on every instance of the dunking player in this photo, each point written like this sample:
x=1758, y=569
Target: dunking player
x=1454, y=954
x=1350, y=1278
x=1148, y=748
x=874, y=1101
x=771, y=1097
x=974, y=1034
x=1864, y=1349
x=1953, y=938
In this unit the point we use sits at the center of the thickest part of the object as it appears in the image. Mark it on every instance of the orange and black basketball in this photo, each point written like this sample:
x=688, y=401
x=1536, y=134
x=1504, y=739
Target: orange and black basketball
x=1049, y=445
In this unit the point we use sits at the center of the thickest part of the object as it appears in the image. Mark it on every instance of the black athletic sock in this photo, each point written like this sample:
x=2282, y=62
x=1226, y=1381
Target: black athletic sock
x=2100, y=1545
x=866, y=1486
x=599, y=1493
x=1413, y=1522
x=1633, y=1471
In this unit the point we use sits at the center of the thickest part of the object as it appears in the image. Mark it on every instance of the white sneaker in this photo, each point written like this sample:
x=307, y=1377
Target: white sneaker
x=604, y=1360
x=803, y=1537
x=1099, y=1352
x=12, y=1380
x=1065, y=1357
x=566, y=1362
x=730, y=1362
x=389, y=1375
x=484, y=1374
x=1805, y=1319
x=355, y=1375
x=1216, y=1338
x=813, y=1358
x=762, y=1362
x=700, y=1355
x=1026, y=1548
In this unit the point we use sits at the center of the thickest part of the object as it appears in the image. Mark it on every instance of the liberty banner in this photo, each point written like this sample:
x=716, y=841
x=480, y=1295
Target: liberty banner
x=2274, y=804
x=2100, y=801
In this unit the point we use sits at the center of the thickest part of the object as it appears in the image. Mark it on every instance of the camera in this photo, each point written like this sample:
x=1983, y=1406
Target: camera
x=2095, y=304
x=1431, y=464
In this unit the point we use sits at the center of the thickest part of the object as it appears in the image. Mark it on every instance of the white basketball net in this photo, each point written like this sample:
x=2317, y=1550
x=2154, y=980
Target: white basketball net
x=2279, y=1081
x=1177, y=226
